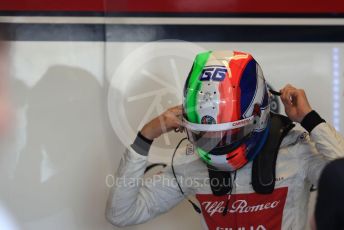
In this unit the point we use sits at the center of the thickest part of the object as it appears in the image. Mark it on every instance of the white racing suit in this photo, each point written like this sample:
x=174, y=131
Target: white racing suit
x=300, y=161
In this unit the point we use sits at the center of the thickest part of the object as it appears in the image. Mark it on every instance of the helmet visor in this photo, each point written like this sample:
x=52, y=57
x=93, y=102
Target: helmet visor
x=208, y=140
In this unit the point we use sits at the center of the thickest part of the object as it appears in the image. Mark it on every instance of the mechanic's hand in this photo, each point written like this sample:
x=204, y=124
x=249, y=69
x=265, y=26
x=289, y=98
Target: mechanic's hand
x=171, y=119
x=295, y=103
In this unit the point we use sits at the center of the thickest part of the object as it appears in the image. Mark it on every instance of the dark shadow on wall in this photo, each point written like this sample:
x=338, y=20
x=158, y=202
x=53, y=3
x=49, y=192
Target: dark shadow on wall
x=61, y=171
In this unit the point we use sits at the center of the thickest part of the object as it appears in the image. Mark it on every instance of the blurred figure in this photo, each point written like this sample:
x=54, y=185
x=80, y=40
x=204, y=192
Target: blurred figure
x=329, y=211
x=6, y=220
x=5, y=108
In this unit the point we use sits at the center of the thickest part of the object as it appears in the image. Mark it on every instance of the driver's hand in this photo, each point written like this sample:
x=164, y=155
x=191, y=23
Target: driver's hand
x=295, y=103
x=171, y=119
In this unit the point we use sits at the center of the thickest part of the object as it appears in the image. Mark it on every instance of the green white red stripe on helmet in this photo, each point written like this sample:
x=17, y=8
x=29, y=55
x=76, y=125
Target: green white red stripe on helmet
x=193, y=87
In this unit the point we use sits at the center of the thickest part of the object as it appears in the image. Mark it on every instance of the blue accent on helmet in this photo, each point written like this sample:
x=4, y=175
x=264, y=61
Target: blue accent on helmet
x=248, y=85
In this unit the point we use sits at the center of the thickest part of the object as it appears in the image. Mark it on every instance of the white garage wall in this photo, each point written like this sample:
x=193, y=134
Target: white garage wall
x=54, y=169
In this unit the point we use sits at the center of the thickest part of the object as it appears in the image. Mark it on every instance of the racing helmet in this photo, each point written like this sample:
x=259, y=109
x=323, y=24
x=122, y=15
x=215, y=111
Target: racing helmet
x=226, y=108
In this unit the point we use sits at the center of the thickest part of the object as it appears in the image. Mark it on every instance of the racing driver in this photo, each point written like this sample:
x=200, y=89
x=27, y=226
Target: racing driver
x=250, y=168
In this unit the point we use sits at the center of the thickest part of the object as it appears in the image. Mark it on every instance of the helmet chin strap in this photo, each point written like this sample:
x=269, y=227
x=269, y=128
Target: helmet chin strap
x=225, y=183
